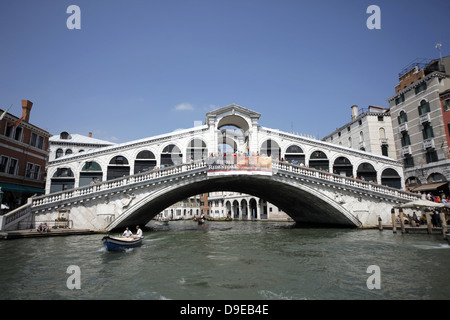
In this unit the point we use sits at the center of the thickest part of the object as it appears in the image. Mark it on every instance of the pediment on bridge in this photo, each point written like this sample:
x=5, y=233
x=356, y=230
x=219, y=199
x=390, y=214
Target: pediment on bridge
x=231, y=115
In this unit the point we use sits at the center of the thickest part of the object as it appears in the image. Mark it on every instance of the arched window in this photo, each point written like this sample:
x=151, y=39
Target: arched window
x=319, y=161
x=171, y=155
x=270, y=148
x=65, y=135
x=63, y=179
x=391, y=178
x=295, y=154
x=343, y=166
x=424, y=107
x=366, y=172
x=118, y=167
x=68, y=151
x=402, y=117
x=59, y=153
x=90, y=173
x=196, y=149
x=145, y=160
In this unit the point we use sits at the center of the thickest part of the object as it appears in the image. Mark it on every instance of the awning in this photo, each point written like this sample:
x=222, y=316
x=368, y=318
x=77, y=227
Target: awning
x=19, y=188
x=428, y=187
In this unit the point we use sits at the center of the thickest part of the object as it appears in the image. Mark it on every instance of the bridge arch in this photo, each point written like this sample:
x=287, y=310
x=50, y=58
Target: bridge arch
x=294, y=153
x=300, y=201
x=171, y=155
x=144, y=160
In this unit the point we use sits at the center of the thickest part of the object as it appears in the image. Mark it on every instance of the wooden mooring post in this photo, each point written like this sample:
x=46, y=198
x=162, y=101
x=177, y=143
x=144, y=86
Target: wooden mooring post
x=444, y=225
x=394, y=224
x=427, y=215
x=402, y=221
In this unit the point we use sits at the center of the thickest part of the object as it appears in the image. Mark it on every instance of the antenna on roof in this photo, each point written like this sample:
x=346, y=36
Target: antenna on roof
x=438, y=46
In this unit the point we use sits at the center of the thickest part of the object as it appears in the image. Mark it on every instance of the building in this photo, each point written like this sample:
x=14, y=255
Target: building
x=420, y=120
x=67, y=144
x=23, y=157
x=241, y=206
x=189, y=208
x=369, y=130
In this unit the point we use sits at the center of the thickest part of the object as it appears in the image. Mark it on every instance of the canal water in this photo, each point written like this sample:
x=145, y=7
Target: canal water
x=230, y=260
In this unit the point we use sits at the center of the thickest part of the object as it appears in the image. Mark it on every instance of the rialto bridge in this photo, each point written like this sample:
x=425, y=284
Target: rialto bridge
x=122, y=185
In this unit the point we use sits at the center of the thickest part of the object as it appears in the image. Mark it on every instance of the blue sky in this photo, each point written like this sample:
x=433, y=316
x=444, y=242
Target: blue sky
x=139, y=68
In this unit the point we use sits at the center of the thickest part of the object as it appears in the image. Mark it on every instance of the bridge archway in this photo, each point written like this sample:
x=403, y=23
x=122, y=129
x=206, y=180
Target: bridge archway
x=118, y=167
x=302, y=203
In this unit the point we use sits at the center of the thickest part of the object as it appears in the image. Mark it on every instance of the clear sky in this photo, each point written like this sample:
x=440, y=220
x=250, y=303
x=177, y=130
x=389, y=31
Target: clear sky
x=139, y=68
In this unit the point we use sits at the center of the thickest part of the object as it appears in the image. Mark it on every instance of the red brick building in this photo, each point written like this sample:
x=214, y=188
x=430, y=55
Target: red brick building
x=23, y=157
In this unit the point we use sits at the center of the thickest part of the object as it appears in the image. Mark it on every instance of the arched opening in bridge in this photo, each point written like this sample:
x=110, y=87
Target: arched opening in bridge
x=319, y=160
x=295, y=154
x=366, y=172
x=196, y=150
x=145, y=161
x=391, y=178
x=343, y=167
x=91, y=172
x=118, y=167
x=270, y=148
x=171, y=155
x=63, y=179
x=233, y=134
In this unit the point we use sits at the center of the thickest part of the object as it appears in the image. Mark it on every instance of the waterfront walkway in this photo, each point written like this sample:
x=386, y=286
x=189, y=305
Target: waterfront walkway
x=31, y=233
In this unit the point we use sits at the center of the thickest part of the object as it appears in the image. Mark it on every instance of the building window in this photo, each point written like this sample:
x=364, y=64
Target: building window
x=446, y=104
x=424, y=107
x=427, y=131
x=59, y=153
x=421, y=87
x=402, y=118
x=431, y=156
x=12, y=167
x=405, y=139
x=68, y=151
x=8, y=129
x=18, y=134
x=3, y=163
x=408, y=162
x=41, y=143
x=384, y=150
x=399, y=99
x=33, y=139
x=380, y=118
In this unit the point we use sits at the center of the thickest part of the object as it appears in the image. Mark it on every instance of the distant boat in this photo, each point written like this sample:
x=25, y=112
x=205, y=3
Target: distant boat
x=201, y=221
x=118, y=243
x=219, y=219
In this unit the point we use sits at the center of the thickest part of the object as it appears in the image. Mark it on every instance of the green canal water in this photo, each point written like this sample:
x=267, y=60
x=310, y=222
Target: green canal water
x=230, y=260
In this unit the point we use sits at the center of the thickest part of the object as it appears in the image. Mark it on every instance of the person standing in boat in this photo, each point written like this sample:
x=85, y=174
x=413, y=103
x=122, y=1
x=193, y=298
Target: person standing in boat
x=127, y=233
x=138, y=233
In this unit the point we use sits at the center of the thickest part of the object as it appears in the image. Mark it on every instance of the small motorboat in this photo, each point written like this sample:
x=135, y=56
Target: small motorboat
x=200, y=221
x=121, y=243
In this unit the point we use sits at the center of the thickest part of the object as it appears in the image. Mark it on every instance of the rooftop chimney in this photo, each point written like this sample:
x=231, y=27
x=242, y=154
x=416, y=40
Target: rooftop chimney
x=90, y=134
x=354, y=112
x=26, y=110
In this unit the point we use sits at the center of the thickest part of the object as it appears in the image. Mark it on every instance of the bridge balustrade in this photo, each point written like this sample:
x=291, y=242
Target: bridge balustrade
x=110, y=185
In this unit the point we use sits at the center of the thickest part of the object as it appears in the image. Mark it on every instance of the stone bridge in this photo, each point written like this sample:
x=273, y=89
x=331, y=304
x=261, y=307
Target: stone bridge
x=309, y=196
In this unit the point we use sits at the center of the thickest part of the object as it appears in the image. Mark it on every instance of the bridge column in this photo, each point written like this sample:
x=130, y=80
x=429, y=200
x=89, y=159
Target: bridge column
x=258, y=210
x=249, y=212
x=240, y=211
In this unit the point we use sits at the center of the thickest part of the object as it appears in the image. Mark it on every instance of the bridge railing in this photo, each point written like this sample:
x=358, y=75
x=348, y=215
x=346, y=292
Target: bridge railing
x=12, y=219
x=92, y=189
x=336, y=178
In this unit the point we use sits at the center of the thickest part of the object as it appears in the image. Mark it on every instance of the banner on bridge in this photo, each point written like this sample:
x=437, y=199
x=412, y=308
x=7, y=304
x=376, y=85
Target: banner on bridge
x=239, y=165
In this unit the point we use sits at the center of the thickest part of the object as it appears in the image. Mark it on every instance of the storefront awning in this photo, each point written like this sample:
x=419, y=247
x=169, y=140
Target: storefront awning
x=19, y=188
x=428, y=187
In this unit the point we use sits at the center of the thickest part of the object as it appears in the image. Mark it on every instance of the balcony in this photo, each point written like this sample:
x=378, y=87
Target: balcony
x=406, y=150
x=403, y=127
x=428, y=144
x=425, y=118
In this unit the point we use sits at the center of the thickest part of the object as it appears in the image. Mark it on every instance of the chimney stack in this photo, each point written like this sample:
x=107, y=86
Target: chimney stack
x=354, y=112
x=26, y=110
x=90, y=134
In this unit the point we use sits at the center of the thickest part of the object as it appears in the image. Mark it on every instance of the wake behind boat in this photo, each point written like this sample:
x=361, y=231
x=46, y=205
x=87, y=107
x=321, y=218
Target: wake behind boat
x=121, y=243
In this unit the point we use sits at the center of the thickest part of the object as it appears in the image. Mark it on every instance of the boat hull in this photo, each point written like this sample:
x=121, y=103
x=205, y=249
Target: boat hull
x=118, y=244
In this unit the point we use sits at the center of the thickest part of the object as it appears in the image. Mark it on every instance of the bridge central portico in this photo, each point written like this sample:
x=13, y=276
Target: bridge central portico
x=312, y=181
